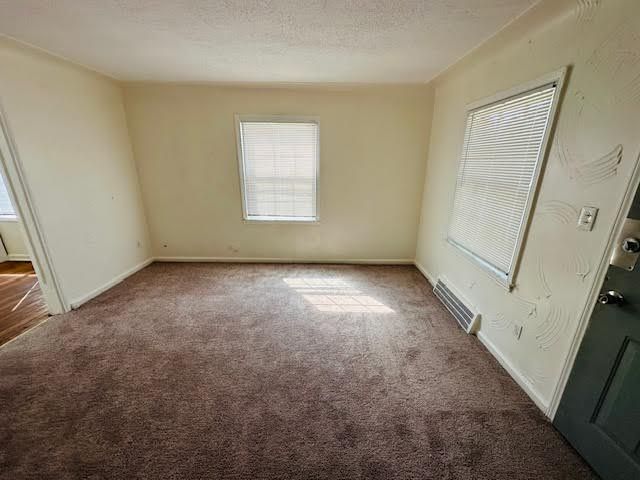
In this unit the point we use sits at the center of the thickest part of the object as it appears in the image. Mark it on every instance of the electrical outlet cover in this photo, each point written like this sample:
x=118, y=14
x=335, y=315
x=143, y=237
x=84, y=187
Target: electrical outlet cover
x=517, y=331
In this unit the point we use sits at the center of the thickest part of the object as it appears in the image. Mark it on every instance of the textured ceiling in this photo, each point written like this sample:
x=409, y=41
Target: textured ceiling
x=357, y=41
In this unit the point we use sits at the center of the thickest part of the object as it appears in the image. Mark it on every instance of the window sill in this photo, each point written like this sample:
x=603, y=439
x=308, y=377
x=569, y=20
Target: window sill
x=498, y=276
x=282, y=220
x=8, y=219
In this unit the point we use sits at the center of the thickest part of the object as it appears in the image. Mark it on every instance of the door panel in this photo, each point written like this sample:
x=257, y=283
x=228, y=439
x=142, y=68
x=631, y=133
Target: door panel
x=600, y=409
x=617, y=409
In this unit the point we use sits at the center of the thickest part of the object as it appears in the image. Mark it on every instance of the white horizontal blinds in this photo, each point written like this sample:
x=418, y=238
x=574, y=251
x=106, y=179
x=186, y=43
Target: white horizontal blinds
x=280, y=166
x=6, y=209
x=501, y=151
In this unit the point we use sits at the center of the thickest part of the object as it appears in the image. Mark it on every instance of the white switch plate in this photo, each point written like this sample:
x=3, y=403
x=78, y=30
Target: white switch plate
x=587, y=218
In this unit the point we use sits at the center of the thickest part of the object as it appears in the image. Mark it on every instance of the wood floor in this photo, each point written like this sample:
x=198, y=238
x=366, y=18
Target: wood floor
x=21, y=302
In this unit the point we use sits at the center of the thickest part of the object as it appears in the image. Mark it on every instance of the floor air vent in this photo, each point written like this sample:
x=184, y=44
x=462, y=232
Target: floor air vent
x=466, y=317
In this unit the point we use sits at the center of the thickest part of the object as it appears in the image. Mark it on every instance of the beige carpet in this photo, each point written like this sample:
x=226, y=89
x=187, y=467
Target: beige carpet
x=224, y=371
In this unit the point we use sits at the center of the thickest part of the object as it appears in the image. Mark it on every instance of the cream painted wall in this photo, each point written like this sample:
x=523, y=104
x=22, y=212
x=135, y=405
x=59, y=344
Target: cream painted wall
x=600, y=112
x=373, y=144
x=70, y=129
x=13, y=238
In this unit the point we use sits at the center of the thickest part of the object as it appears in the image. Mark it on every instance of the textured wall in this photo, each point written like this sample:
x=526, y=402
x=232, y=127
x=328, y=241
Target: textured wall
x=373, y=144
x=70, y=130
x=593, y=152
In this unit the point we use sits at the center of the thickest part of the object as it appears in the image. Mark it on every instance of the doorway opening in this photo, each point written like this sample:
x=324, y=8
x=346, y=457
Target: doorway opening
x=22, y=304
x=29, y=290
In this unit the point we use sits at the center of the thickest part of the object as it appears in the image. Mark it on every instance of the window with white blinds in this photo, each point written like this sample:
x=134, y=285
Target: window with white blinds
x=499, y=169
x=279, y=168
x=6, y=209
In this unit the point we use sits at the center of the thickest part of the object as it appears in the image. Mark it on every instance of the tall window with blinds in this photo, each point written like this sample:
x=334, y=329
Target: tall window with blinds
x=279, y=168
x=502, y=153
x=6, y=208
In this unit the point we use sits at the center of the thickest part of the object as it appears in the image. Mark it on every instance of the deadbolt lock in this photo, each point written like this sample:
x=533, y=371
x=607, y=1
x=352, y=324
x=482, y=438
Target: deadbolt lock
x=626, y=250
x=631, y=245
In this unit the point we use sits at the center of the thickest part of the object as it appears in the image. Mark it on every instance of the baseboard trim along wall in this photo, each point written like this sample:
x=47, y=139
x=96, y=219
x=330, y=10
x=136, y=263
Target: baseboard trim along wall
x=354, y=261
x=513, y=371
x=426, y=274
x=502, y=360
x=112, y=283
x=18, y=257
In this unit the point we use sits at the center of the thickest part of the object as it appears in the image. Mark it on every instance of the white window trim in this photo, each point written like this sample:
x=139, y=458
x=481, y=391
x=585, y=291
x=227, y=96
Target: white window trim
x=279, y=119
x=558, y=77
x=8, y=217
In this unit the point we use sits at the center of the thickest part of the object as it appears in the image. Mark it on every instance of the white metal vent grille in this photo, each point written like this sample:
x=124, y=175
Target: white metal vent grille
x=466, y=317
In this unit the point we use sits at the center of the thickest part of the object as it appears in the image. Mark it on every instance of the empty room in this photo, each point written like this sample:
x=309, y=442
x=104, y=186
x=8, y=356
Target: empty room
x=320, y=239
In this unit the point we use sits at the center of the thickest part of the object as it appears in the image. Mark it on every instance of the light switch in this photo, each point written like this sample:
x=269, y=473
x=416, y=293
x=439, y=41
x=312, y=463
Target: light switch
x=587, y=218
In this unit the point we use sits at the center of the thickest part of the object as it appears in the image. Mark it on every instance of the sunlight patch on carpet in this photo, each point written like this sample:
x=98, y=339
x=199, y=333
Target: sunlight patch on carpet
x=335, y=295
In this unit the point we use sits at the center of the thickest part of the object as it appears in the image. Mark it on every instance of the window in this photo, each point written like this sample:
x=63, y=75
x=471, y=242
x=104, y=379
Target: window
x=502, y=154
x=6, y=208
x=278, y=168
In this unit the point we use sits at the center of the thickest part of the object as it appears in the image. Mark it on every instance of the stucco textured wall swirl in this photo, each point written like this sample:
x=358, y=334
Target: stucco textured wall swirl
x=593, y=152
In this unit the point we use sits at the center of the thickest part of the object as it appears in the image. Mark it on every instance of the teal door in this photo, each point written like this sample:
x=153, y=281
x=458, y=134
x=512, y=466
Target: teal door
x=600, y=409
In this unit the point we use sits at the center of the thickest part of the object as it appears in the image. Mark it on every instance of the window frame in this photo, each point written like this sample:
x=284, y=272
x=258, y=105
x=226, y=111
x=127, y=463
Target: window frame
x=274, y=118
x=558, y=77
x=7, y=218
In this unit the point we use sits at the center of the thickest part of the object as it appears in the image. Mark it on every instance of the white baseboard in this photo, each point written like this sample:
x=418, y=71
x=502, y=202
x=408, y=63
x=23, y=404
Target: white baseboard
x=513, y=371
x=111, y=283
x=18, y=257
x=357, y=261
x=425, y=272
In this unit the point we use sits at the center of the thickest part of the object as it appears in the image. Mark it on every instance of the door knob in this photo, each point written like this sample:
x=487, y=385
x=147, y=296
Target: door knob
x=611, y=298
x=631, y=245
